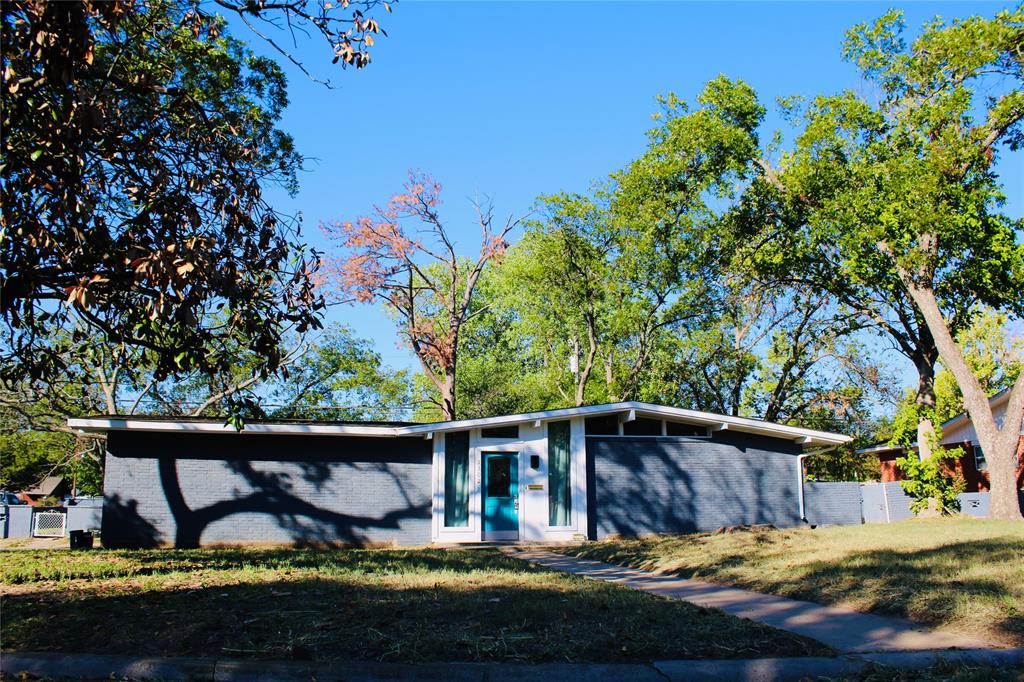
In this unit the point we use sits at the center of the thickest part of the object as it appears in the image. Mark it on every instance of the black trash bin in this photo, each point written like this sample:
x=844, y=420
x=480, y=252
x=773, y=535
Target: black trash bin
x=81, y=539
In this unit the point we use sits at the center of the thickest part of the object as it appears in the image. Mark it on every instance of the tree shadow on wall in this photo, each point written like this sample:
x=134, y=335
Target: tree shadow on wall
x=269, y=493
x=123, y=526
x=272, y=493
x=658, y=492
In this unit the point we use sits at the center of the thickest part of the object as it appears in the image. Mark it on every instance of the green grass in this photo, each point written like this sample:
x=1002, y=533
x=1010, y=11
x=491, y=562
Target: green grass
x=943, y=672
x=964, y=574
x=388, y=605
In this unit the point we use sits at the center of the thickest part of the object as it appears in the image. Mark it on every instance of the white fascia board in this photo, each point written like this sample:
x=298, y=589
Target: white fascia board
x=171, y=426
x=885, y=447
x=509, y=419
x=716, y=421
x=720, y=422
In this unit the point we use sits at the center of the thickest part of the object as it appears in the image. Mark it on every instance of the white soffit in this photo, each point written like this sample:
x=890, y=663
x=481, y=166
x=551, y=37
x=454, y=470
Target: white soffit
x=716, y=422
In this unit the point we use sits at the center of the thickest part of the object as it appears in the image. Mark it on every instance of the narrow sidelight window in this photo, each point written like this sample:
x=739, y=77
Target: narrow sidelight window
x=559, y=480
x=456, y=479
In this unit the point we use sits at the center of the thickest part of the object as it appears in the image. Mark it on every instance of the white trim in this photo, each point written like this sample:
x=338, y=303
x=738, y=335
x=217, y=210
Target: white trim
x=717, y=422
x=648, y=435
x=128, y=424
x=454, y=534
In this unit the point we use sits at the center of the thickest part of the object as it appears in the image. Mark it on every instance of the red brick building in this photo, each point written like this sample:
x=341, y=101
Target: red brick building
x=957, y=432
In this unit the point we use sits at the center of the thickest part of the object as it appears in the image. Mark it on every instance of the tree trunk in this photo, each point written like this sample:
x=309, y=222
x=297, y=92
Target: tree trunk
x=448, y=395
x=1000, y=442
x=583, y=375
x=609, y=378
x=925, y=362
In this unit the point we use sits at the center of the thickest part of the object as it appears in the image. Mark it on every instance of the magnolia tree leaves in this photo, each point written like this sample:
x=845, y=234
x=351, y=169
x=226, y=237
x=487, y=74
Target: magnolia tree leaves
x=139, y=139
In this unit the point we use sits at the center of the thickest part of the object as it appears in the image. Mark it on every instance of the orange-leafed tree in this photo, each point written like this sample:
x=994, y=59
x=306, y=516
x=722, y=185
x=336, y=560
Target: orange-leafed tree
x=402, y=256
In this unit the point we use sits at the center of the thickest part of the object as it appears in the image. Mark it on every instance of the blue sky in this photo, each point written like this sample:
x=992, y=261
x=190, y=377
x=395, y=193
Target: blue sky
x=513, y=100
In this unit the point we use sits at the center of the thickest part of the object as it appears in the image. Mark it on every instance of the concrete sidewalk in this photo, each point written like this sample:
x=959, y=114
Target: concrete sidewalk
x=844, y=630
x=101, y=667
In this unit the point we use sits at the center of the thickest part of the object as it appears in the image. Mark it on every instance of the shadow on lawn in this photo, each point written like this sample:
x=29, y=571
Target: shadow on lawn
x=434, y=618
x=913, y=584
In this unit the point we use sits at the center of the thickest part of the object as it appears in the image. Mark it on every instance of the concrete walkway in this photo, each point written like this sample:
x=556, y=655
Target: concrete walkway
x=842, y=629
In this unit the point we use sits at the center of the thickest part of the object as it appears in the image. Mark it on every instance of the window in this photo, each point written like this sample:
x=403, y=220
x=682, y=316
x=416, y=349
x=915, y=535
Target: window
x=979, y=459
x=559, y=478
x=602, y=426
x=499, y=477
x=677, y=429
x=501, y=432
x=456, y=479
x=642, y=427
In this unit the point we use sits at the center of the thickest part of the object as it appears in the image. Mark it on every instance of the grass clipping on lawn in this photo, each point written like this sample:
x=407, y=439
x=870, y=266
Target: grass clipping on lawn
x=387, y=605
x=963, y=574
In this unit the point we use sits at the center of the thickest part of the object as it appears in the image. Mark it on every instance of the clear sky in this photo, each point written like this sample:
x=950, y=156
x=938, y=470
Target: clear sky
x=513, y=100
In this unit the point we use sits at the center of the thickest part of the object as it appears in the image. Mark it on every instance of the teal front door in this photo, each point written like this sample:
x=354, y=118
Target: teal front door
x=501, y=494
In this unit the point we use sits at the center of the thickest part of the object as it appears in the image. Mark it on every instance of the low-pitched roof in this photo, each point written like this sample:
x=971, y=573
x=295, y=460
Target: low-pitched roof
x=46, y=486
x=716, y=422
x=994, y=402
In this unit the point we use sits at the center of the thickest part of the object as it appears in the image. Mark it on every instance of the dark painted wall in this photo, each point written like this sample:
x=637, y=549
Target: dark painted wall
x=190, y=489
x=832, y=503
x=638, y=486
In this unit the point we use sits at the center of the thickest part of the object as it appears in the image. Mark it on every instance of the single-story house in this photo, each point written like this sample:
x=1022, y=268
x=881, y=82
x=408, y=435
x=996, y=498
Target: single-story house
x=626, y=468
x=957, y=432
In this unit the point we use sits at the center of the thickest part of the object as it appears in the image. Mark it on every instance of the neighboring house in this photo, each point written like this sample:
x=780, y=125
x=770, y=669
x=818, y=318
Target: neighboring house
x=559, y=475
x=51, y=486
x=957, y=432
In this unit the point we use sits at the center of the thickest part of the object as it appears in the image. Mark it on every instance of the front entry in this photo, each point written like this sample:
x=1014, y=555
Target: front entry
x=501, y=495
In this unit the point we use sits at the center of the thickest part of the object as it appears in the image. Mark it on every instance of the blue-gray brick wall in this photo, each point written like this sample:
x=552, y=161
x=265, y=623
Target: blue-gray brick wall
x=193, y=489
x=832, y=503
x=638, y=486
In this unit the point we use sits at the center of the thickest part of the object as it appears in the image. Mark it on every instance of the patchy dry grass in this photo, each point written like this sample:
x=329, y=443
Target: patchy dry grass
x=966, y=574
x=390, y=605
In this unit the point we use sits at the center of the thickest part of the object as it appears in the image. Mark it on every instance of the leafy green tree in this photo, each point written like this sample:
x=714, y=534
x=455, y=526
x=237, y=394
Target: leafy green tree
x=339, y=376
x=139, y=139
x=634, y=291
x=897, y=196
x=776, y=349
x=556, y=280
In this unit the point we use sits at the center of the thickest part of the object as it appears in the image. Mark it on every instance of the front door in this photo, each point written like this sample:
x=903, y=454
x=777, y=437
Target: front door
x=501, y=495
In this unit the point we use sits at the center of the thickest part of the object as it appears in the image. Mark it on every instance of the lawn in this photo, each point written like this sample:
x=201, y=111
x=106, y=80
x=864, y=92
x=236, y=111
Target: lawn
x=388, y=605
x=964, y=574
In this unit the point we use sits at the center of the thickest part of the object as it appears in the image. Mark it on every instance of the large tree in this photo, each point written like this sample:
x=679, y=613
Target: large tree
x=899, y=193
x=139, y=139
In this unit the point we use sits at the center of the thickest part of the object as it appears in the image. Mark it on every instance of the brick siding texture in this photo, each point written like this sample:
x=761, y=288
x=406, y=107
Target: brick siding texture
x=198, y=489
x=648, y=485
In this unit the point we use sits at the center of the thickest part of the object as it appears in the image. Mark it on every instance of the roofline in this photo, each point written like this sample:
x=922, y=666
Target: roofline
x=100, y=424
x=716, y=422
x=964, y=417
x=884, y=447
